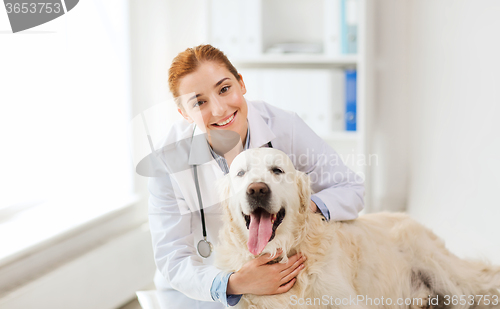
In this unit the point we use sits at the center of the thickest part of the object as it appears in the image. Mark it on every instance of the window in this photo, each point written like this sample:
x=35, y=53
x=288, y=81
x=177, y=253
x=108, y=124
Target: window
x=65, y=107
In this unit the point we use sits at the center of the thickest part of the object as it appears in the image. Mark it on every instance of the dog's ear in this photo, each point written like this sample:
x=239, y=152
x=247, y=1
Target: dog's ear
x=304, y=189
x=224, y=188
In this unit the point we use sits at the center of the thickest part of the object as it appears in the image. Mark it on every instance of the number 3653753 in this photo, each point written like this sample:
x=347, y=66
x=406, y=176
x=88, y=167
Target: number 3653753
x=33, y=8
x=471, y=300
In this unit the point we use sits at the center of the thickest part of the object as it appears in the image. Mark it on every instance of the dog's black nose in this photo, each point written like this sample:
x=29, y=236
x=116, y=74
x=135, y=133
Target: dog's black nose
x=258, y=190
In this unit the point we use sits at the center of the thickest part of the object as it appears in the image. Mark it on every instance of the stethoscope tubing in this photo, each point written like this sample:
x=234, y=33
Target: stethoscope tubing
x=202, y=213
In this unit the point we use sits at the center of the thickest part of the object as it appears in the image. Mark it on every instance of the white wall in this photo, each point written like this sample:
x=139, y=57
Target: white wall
x=452, y=63
x=160, y=30
x=454, y=127
x=389, y=117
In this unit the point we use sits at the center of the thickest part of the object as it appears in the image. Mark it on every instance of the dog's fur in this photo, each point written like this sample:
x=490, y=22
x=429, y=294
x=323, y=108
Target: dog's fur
x=378, y=255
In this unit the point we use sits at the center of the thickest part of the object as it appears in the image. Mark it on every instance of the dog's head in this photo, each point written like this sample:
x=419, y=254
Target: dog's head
x=263, y=195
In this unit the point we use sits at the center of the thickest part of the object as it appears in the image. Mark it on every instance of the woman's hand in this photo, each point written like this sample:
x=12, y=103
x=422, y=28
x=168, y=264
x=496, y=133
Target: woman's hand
x=258, y=278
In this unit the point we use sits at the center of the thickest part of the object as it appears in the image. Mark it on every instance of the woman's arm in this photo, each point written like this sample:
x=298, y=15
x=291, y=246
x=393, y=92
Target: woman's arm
x=339, y=188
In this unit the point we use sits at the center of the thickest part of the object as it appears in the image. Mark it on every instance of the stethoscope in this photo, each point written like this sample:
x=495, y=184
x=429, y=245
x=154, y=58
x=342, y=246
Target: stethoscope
x=205, y=247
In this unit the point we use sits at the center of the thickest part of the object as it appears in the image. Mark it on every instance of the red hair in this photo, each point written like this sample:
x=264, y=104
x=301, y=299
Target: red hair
x=189, y=60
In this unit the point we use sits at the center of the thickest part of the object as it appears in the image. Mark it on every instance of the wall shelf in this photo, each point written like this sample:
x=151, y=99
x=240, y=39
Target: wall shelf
x=297, y=59
x=293, y=54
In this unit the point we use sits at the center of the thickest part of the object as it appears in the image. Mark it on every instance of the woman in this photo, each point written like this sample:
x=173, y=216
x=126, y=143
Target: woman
x=209, y=94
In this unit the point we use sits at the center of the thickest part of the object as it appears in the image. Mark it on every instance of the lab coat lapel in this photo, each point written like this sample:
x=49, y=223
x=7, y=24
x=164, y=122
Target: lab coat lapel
x=260, y=132
x=199, y=153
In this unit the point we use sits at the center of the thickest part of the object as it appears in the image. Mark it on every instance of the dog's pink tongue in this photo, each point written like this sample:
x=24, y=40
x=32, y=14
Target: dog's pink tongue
x=260, y=230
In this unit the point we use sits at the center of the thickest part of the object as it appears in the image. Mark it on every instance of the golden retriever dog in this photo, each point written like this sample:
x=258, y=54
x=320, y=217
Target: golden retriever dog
x=383, y=260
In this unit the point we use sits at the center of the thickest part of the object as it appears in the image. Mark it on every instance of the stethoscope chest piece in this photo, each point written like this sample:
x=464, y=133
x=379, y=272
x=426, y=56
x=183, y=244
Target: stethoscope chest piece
x=205, y=248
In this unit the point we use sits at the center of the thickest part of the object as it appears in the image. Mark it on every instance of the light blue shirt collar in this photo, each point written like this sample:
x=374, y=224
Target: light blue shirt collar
x=221, y=160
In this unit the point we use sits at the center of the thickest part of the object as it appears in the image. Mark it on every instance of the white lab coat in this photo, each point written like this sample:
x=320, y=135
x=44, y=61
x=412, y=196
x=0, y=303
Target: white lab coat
x=175, y=221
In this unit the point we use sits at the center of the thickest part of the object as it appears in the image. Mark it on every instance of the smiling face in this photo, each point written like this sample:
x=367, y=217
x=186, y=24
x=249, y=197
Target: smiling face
x=212, y=98
x=265, y=195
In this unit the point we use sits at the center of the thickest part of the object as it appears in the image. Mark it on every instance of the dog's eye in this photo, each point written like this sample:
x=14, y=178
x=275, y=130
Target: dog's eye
x=277, y=170
x=240, y=173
